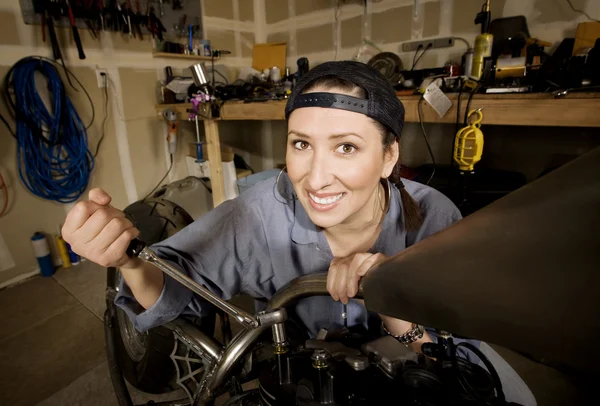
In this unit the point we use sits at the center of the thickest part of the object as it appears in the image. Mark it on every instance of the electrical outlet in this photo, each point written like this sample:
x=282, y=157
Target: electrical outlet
x=429, y=43
x=102, y=77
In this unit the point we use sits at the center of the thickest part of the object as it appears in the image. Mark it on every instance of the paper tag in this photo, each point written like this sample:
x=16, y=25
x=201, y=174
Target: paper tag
x=437, y=99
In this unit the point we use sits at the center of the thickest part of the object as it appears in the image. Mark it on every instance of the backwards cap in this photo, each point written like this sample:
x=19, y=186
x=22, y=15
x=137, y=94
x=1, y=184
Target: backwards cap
x=381, y=102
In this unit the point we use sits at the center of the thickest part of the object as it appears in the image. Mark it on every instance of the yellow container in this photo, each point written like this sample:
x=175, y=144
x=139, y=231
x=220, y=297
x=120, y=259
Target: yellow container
x=62, y=250
x=483, y=49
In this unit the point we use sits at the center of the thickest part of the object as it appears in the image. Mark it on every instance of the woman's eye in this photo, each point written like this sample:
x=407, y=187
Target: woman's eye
x=346, y=149
x=301, y=145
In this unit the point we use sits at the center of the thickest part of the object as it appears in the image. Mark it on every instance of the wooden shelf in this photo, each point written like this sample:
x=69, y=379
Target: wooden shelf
x=536, y=109
x=182, y=56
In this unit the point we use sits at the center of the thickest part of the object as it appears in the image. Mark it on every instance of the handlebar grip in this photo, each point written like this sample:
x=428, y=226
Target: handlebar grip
x=135, y=247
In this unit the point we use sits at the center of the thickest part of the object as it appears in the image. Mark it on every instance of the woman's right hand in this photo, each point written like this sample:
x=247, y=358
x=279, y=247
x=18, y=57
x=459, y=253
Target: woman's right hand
x=99, y=232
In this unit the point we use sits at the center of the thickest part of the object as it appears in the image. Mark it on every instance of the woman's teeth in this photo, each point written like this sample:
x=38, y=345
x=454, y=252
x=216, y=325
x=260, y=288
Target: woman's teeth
x=328, y=200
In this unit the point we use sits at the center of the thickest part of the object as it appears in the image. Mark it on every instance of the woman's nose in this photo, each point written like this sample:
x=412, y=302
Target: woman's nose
x=320, y=171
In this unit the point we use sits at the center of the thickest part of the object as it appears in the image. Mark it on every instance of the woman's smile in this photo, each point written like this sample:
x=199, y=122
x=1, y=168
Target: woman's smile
x=325, y=201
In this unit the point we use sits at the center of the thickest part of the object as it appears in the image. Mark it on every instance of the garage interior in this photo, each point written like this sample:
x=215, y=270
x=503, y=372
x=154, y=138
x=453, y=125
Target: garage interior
x=52, y=332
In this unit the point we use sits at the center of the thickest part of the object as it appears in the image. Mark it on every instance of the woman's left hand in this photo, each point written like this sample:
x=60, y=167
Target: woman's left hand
x=345, y=273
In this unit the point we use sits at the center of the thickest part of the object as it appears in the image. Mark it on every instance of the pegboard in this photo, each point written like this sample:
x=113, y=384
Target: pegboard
x=190, y=12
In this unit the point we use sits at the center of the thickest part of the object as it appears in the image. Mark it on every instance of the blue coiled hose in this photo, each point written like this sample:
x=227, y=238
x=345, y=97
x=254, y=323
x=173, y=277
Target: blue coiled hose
x=52, y=146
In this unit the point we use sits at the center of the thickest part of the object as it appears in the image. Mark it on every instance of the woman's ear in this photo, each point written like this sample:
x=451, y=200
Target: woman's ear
x=391, y=156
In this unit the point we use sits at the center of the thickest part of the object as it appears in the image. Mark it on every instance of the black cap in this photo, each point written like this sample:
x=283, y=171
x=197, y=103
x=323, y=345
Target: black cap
x=381, y=103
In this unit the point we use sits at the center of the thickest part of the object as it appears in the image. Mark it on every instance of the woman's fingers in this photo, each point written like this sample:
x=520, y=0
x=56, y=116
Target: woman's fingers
x=98, y=231
x=111, y=231
x=358, y=261
x=345, y=273
x=116, y=252
x=341, y=281
x=370, y=263
x=96, y=223
x=331, y=275
x=336, y=279
x=99, y=196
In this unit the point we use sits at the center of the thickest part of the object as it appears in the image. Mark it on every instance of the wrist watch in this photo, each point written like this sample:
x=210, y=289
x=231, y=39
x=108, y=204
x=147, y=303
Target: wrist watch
x=413, y=334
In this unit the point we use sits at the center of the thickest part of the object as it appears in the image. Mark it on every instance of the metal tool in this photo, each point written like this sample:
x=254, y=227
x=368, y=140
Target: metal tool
x=128, y=12
x=52, y=33
x=173, y=124
x=139, y=19
x=75, y=31
x=100, y=14
x=139, y=249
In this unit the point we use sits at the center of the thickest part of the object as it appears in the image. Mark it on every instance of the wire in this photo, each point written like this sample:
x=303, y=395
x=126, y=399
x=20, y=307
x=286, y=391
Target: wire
x=466, y=119
x=420, y=108
x=581, y=11
x=414, y=65
x=4, y=187
x=53, y=158
x=105, y=117
x=467, y=43
x=68, y=74
x=220, y=74
x=8, y=126
x=468, y=388
x=415, y=57
x=161, y=181
x=457, y=126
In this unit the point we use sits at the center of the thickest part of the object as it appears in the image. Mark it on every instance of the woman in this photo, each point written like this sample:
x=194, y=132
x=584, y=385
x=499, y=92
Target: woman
x=340, y=208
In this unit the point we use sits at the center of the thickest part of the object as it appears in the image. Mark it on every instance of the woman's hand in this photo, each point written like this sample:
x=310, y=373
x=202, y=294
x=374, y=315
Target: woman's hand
x=345, y=273
x=342, y=284
x=99, y=232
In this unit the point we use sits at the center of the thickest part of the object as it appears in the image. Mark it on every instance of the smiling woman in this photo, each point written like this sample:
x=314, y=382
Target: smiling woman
x=341, y=208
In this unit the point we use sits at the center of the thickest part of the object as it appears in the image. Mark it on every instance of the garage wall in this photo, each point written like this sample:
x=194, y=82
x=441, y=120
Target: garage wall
x=133, y=155
x=322, y=31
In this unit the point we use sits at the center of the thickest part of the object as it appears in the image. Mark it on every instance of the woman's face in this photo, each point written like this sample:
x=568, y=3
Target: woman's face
x=335, y=159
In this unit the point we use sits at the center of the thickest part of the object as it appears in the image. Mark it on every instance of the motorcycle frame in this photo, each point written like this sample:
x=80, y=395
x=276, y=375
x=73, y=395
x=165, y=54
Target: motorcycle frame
x=218, y=359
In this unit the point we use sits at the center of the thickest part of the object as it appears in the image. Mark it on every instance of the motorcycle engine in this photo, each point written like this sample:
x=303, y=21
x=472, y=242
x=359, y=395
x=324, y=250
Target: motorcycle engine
x=350, y=371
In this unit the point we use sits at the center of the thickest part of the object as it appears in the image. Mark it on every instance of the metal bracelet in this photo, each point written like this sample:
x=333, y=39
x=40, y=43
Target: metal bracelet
x=413, y=334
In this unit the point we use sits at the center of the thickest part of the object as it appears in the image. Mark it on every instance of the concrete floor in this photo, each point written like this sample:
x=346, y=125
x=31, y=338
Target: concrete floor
x=52, y=342
x=52, y=346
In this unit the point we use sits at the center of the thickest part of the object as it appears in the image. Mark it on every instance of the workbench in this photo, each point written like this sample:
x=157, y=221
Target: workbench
x=535, y=109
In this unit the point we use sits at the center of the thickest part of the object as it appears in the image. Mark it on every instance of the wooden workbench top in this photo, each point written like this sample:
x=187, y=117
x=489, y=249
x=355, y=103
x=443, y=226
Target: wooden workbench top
x=532, y=109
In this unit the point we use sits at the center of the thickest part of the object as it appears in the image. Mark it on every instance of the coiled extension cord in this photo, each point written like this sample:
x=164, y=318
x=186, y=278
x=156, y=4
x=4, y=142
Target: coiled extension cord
x=52, y=145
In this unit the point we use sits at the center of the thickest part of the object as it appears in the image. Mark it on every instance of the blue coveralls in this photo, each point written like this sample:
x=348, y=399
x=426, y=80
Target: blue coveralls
x=263, y=239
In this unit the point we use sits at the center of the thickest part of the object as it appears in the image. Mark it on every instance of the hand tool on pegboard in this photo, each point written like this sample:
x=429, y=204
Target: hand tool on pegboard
x=98, y=9
x=142, y=18
x=139, y=19
x=135, y=25
x=75, y=30
x=51, y=10
x=86, y=10
x=125, y=27
x=155, y=26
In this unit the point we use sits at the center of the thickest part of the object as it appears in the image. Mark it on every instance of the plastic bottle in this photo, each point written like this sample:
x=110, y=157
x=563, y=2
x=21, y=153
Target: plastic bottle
x=41, y=249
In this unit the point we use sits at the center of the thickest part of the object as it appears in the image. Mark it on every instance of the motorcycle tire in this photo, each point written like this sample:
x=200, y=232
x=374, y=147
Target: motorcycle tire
x=144, y=358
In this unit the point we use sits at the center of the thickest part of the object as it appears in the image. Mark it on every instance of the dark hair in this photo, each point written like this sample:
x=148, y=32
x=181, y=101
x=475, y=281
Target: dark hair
x=413, y=216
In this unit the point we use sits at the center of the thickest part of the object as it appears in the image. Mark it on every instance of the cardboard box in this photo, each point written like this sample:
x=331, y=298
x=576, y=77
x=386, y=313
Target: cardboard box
x=266, y=56
x=586, y=36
